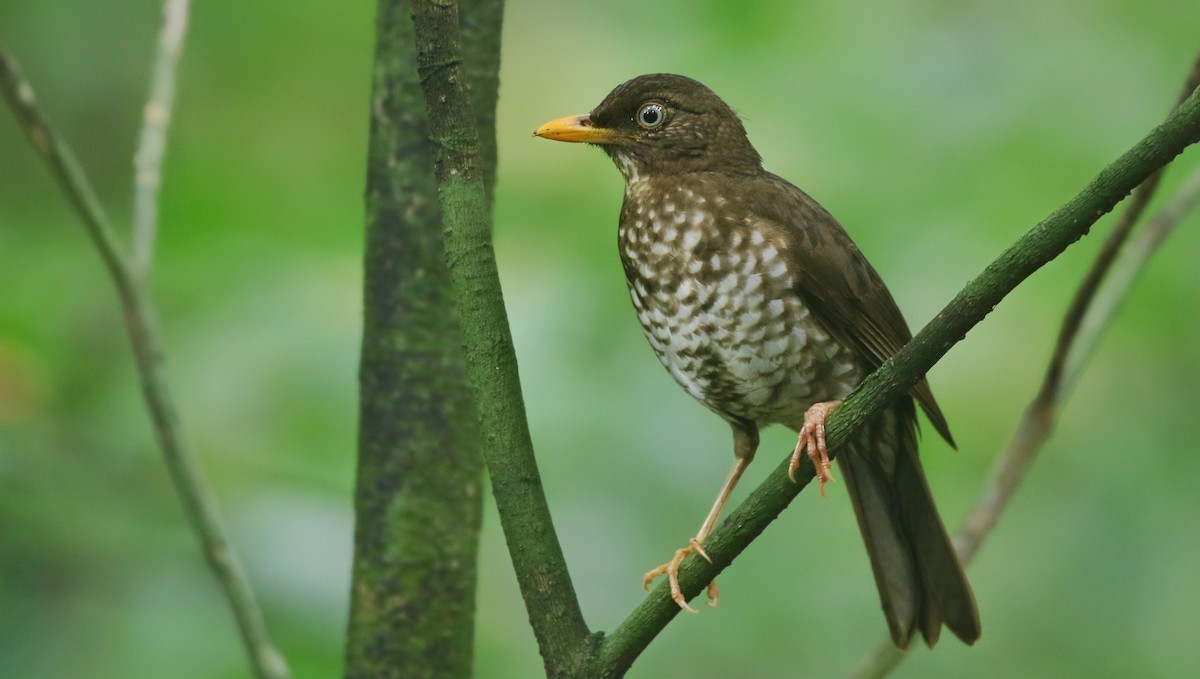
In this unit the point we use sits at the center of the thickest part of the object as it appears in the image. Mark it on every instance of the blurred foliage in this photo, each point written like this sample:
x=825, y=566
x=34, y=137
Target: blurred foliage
x=937, y=131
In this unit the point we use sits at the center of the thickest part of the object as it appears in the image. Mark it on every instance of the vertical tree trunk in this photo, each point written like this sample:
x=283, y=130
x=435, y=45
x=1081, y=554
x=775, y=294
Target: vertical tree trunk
x=418, y=495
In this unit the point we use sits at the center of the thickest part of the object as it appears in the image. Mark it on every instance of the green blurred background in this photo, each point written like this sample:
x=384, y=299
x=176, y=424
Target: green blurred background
x=937, y=131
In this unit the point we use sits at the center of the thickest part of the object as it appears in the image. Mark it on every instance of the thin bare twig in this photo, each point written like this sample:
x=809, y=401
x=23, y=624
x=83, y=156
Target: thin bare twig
x=1131, y=263
x=152, y=143
x=190, y=481
x=1092, y=309
x=1053, y=381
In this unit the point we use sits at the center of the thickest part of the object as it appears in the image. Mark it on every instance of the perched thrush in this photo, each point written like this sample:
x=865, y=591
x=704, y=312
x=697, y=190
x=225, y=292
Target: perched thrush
x=762, y=308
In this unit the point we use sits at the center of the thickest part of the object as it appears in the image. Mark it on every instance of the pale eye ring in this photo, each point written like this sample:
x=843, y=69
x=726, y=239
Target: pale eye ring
x=651, y=115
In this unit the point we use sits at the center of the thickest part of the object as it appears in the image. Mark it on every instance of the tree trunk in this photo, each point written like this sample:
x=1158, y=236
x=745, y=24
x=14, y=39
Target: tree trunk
x=418, y=495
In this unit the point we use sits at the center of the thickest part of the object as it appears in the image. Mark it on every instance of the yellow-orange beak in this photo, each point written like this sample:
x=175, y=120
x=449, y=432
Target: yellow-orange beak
x=575, y=129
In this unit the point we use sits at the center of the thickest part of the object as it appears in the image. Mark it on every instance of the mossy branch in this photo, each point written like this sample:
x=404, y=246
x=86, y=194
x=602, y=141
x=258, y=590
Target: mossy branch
x=491, y=362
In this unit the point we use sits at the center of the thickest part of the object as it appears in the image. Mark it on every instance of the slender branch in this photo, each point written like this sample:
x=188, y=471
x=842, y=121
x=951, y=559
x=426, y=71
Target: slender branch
x=1033, y=250
x=491, y=362
x=190, y=482
x=67, y=171
x=1082, y=325
x=152, y=143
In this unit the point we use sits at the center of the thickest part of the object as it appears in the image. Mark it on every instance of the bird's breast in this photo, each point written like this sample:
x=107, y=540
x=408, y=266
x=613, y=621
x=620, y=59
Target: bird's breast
x=715, y=297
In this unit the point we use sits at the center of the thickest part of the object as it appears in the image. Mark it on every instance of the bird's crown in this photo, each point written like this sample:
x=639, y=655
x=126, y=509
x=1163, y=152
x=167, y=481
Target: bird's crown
x=663, y=124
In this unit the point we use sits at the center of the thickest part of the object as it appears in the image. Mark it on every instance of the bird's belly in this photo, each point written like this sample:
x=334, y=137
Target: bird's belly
x=744, y=345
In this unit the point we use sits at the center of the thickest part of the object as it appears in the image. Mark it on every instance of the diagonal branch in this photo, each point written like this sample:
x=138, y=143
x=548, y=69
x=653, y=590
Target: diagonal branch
x=199, y=501
x=1033, y=250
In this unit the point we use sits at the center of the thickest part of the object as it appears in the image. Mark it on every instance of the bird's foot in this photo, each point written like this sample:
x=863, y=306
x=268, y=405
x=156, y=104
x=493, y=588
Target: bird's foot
x=811, y=441
x=671, y=570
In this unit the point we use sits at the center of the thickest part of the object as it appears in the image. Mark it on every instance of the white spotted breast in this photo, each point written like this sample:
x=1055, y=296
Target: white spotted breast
x=716, y=299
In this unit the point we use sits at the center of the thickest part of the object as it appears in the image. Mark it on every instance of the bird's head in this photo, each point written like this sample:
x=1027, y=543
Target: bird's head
x=662, y=124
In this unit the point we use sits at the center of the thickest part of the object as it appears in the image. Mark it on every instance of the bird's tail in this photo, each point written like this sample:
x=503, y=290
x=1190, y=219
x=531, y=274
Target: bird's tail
x=920, y=580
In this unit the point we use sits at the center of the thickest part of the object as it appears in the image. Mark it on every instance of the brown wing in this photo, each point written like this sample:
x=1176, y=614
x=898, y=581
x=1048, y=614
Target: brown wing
x=837, y=283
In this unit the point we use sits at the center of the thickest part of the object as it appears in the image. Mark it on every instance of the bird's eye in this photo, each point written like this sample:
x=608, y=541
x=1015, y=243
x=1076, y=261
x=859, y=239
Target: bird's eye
x=652, y=115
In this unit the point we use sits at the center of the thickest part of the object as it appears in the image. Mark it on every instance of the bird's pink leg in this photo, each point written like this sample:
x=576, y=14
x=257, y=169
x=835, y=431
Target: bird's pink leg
x=811, y=441
x=696, y=544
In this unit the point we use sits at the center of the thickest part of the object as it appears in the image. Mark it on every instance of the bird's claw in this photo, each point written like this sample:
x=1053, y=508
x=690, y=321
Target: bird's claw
x=811, y=442
x=671, y=570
